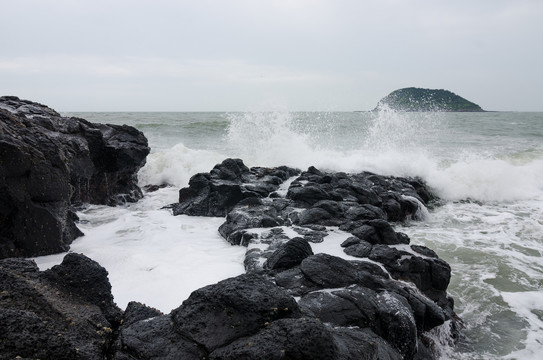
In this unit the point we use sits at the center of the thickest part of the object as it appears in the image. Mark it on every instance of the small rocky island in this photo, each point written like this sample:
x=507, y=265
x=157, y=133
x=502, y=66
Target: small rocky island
x=417, y=99
x=382, y=299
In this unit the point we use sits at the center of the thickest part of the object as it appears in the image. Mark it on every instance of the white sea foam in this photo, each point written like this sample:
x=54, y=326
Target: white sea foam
x=332, y=244
x=488, y=180
x=475, y=179
x=176, y=165
x=529, y=305
x=151, y=256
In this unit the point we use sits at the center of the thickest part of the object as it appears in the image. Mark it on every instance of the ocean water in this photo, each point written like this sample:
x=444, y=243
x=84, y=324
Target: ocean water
x=486, y=167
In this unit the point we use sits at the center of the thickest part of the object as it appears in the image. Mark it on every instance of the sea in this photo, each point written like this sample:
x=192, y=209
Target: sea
x=487, y=169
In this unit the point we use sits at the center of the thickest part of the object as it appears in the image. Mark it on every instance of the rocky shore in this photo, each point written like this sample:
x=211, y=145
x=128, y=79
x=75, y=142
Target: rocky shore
x=381, y=299
x=387, y=293
x=50, y=164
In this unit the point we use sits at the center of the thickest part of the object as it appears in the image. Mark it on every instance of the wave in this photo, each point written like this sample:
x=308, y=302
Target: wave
x=387, y=142
x=488, y=180
x=176, y=165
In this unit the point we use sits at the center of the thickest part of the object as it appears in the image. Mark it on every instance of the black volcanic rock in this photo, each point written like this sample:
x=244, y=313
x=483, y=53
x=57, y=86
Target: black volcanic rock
x=329, y=199
x=217, y=192
x=361, y=249
x=389, y=315
x=296, y=339
x=329, y=271
x=290, y=254
x=216, y=315
x=378, y=303
x=249, y=213
x=155, y=338
x=361, y=343
x=64, y=313
x=417, y=99
x=48, y=163
x=84, y=278
x=348, y=310
x=136, y=311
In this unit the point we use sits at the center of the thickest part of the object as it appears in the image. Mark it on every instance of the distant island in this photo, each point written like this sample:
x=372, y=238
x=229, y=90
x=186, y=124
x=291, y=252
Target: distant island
x=417, y=99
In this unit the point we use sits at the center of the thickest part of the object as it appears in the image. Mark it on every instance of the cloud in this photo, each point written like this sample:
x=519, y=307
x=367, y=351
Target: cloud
x=134, y=83
x=221, y=70
x=306, y=50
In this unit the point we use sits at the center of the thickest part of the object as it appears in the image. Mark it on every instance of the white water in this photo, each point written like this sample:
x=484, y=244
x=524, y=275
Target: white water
x=487, y=167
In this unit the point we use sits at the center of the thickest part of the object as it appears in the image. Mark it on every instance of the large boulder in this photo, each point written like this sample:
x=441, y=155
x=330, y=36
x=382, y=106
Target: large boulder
x=155, y=338
x=49, y=163
x=296, y=339
x=218, y=314
x=355, y=343
x=64, y=313
x=290, y=254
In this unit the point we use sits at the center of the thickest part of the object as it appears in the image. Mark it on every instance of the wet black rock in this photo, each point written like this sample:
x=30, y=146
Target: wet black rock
x=330, y=198
x=430, y=275
x=152, y=188
x=362, y=343
x=249, y=213
x=296, y=339
x=329, y=271
x=290, y=254
x=217, y=192
x=67, y=312
x=361, y=249
x=155, y=338
x=136, y=311
x=84, y=278
x=216, y=315
x=49, y=163
x=387, y=314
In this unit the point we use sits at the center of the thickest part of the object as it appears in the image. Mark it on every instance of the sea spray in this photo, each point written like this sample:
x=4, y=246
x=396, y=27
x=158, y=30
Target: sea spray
x=176, y=165
x=267, y=138
x=385, y=142
x=401, y=131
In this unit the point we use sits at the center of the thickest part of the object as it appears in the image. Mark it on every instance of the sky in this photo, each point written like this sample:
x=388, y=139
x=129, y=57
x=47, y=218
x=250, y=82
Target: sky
x=241, y=55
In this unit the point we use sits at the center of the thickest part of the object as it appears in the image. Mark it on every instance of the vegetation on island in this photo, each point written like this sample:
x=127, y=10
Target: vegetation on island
x=417, y=99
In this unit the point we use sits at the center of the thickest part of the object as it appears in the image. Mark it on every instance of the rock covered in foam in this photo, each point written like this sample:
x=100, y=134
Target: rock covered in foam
x=329, y=199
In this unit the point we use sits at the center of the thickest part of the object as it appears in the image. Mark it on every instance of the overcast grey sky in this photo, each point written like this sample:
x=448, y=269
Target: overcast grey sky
x=205, y=55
